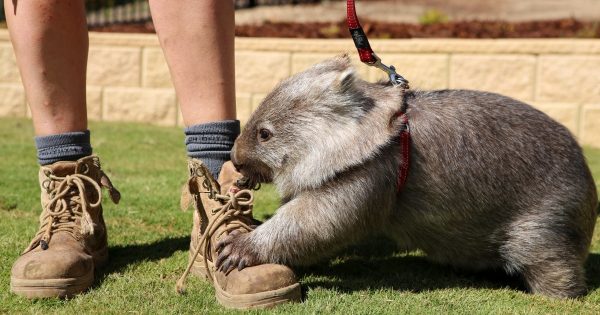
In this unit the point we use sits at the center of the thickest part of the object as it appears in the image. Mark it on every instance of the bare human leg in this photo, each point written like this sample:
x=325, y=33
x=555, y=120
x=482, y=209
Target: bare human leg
x=51, y=44
x=198, y=42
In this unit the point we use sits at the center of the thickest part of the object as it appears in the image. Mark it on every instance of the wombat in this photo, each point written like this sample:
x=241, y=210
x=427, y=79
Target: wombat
x=492, y=183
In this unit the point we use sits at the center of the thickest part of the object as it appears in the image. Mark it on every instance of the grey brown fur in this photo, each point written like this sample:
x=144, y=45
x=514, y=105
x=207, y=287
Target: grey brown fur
x=493, y=182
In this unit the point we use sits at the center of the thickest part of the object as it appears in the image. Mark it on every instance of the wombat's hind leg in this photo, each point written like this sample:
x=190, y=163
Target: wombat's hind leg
x=558, y=279
x=549, y=255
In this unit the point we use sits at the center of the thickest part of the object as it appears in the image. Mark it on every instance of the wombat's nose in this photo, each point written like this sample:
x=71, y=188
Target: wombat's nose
x=235, y=161
x=238, y=167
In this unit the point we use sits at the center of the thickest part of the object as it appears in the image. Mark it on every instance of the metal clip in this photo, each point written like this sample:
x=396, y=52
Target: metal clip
x=405, y=127
x=394, y=77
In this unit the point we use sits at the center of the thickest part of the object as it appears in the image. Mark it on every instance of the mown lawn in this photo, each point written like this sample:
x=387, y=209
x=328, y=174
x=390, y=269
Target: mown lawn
x=149, y=240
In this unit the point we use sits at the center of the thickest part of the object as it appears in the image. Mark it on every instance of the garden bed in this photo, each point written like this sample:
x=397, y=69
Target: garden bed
x=561, y=28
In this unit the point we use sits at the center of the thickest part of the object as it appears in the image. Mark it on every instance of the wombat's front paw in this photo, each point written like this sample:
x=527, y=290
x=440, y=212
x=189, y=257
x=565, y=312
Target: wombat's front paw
x=235, y=251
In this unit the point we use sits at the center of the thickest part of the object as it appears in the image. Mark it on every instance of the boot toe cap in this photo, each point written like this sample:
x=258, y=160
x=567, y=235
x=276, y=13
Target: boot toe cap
x=261, y=278
x=55, y=264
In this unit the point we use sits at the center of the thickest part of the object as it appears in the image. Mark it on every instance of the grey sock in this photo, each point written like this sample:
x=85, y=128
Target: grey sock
x=212, y=142
x=68, y=146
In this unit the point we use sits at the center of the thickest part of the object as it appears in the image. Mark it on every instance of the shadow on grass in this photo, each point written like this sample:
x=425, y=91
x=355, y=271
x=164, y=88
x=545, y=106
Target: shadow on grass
x=124, y=255
x=377, y=265
x=592, y=269
x=368, y=266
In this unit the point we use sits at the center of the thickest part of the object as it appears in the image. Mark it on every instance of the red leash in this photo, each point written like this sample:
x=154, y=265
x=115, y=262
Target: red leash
x=368, y=56
x=358, y=35
x=364, y=48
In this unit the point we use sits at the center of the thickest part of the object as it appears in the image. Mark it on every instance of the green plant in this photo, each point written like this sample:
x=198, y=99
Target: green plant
x=330, y=31
x=433, y=16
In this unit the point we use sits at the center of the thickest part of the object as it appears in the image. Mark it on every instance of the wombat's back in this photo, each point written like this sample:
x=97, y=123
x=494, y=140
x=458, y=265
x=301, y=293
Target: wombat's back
x=488, y=175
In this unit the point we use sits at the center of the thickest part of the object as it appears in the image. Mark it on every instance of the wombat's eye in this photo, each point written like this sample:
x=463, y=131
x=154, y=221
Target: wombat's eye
x=264, y=134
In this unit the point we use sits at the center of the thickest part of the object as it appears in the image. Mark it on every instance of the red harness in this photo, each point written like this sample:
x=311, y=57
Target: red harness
x=369, y=57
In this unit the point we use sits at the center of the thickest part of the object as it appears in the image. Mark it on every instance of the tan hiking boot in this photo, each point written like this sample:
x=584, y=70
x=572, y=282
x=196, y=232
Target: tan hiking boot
x=71, y=241
x=221, y=209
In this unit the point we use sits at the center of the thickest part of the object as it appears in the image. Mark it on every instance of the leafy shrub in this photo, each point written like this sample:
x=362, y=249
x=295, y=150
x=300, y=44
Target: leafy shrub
x=433, y=16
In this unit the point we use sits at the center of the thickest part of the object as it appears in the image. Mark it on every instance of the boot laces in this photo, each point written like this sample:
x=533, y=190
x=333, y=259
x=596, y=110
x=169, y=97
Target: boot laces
x=234, y=210
x=68, y=201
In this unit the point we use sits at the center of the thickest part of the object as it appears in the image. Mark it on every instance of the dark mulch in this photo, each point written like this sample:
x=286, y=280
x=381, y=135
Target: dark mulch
x=569, y=28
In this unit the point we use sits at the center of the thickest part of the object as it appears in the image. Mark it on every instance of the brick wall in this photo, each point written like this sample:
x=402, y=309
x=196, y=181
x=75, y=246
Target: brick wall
x=128, y=79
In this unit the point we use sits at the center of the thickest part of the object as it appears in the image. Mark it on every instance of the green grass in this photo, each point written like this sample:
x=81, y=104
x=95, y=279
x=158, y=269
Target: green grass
x=148, y=237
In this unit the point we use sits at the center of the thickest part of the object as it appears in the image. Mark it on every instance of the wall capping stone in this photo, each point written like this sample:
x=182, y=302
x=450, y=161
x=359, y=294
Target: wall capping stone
x=481, y=46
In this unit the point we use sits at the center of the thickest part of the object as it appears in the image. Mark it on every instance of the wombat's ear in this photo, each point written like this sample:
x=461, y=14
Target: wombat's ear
x=345, y=80
x=344, y=60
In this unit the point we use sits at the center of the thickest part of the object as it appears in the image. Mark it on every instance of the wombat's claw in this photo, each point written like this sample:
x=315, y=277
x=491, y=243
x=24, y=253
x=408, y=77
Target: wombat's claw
x=246, y=183
x=230, y=265
x=226, y=267
x=226, y=262
x=241, y=264
x=234, y=252
x=226, y=241
x=223, y=249
x=233, y=263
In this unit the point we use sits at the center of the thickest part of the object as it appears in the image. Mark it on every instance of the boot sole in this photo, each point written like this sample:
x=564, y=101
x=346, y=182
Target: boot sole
x=267, y=299
x=58, y=288
x=51, y=288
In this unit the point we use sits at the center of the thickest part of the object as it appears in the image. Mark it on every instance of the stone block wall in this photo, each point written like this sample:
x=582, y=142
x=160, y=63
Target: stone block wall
x=128, y=79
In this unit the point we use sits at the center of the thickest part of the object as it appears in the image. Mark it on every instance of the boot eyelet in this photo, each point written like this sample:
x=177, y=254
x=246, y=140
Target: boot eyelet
x=85, y=169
